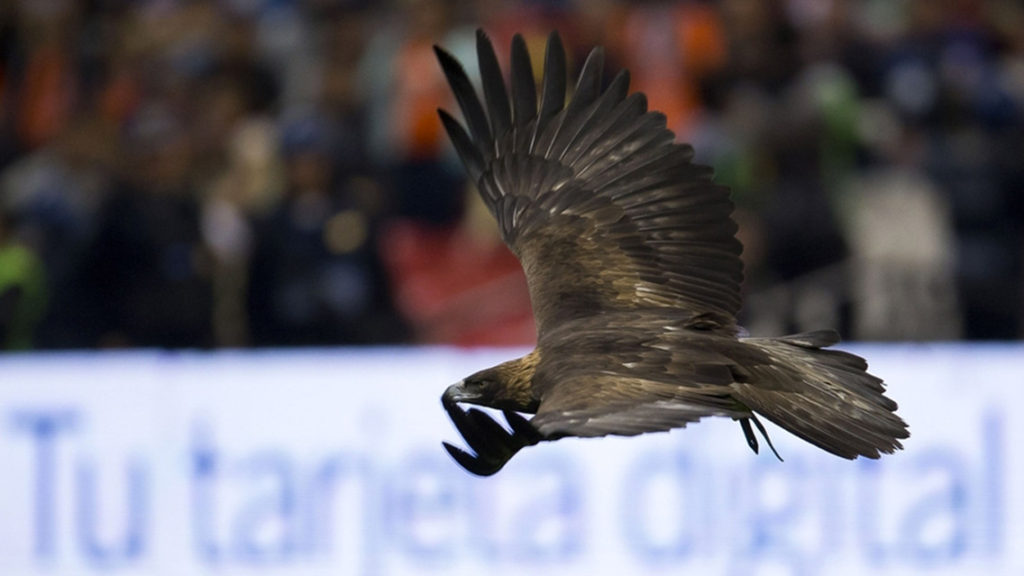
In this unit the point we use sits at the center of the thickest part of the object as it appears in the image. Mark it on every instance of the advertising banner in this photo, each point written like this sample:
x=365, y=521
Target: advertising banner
x=320, y=462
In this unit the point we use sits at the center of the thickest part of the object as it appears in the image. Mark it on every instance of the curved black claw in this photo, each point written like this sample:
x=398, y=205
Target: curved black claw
x=493, y=443
x=752, y=438
x=748, y=432
x=522, y=427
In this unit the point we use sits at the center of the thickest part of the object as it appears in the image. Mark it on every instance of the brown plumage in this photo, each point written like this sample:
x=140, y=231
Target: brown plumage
x=634, y=275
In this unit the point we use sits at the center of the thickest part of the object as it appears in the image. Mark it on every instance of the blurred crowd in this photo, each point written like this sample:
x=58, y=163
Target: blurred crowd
x=227, y=173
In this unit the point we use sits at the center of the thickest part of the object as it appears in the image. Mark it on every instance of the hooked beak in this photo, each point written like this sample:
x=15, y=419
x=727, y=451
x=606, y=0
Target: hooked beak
x=458, y=393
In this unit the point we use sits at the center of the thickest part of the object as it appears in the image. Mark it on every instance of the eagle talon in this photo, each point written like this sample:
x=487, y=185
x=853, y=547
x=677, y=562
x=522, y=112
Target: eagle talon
x=748, y=432
x=522, y=428
x=752, y=438
x=480, y=440
x=764, y=433
x=493, y=444
x=491, y=430
x=474, y=464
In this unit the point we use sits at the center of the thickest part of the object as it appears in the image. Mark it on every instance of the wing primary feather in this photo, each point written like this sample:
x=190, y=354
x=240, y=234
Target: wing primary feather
x=467, y=151
x=588, y=120
x=592, y=127
x=466, y=96
x=552, y=95
x=498, y=108
x=524, y=89
x=588, y=89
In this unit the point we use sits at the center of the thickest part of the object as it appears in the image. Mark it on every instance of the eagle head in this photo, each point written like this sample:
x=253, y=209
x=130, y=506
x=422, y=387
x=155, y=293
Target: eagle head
x=507, y=386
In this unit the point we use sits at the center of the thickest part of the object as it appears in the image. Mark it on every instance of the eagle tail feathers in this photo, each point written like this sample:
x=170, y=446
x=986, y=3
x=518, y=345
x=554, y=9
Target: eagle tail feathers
x=826, y=397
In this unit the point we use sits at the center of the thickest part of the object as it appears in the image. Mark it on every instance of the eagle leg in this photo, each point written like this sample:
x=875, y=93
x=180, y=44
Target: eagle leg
x=522, y=428
x=764, y=433
x=748, y=432
x=493, y=444
x=492, y=435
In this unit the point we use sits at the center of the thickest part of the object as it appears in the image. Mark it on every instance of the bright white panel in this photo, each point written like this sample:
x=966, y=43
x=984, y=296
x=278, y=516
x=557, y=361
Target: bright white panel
x=329, y=462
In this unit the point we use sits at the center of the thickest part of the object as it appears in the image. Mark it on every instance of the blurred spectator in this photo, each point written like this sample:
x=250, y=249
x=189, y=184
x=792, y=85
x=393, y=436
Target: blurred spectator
x=901, y=276
x=316, y=276
x=247, y=185
x=47, y=90
x=150, y=268
x=58, y=190
x=670, y=48
x=404, y=88
x=22, y=289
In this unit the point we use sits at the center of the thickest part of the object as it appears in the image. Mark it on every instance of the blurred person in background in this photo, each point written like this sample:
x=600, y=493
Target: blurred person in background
x=402, y=88
x=59, y=190
x=50, y=80
x=8, y=49
x=241, y=174
x=670, y=48
x=972, y=127
x=23, y=289
x=316, y=277
x=150, y=269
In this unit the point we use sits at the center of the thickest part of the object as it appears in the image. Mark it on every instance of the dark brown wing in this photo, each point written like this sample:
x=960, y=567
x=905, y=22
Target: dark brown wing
x=604, y=210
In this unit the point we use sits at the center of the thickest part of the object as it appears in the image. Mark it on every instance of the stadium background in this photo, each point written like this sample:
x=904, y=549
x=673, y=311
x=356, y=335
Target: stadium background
x=272, y=173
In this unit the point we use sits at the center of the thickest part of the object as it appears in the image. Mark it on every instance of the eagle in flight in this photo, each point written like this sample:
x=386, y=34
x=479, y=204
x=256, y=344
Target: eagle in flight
x=634, y=275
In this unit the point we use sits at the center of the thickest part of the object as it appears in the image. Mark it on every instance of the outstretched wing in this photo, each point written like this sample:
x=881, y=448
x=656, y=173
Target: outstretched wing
x=604, y=210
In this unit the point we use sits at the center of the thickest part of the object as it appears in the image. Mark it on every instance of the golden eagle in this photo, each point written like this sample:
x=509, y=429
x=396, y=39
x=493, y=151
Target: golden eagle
x=634, y=276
